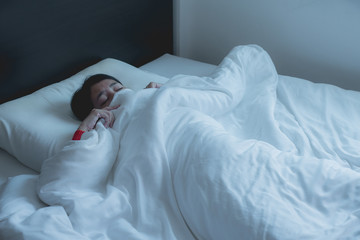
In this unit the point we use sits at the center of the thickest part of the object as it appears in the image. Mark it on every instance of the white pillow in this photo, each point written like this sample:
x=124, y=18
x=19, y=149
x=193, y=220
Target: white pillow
x=35, y=127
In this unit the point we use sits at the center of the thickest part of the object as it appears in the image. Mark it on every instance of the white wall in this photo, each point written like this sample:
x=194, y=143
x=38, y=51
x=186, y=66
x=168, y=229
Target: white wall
x=318, y=40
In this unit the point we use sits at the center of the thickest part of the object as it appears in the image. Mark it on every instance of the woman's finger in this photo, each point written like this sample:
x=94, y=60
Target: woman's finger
x=112, y=108
x=112, y=119
x=106, y=118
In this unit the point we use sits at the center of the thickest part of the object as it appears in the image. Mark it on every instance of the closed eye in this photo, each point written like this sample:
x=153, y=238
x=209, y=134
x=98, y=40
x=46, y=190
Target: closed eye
x=118, y=87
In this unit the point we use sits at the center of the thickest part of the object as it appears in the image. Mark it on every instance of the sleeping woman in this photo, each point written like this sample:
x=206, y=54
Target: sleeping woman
x=92, y=101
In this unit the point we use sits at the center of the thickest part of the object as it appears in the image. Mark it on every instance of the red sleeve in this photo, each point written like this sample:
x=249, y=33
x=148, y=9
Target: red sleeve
x=78, y=134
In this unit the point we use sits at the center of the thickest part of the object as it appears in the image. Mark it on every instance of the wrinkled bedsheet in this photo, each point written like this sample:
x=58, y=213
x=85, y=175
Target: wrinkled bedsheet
x=241, y=154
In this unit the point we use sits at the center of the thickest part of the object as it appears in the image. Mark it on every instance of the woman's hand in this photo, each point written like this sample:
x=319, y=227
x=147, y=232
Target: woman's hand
x=153, y=85
x=95, y=115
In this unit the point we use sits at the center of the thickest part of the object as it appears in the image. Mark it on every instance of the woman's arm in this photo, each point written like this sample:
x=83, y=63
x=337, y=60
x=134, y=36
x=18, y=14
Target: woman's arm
x=91, y=120
x=153, y=85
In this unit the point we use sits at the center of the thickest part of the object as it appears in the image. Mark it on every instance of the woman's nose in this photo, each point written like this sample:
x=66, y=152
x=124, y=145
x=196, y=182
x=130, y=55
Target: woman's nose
x=111, y=92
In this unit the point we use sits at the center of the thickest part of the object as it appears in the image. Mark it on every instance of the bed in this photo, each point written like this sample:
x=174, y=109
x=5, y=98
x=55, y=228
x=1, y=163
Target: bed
x=234, y=151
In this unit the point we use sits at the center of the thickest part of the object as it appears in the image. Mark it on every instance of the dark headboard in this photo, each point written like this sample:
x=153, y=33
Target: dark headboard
x=42, y=41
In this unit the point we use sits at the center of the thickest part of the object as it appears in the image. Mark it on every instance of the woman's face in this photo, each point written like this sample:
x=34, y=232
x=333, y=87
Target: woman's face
x=103, y=92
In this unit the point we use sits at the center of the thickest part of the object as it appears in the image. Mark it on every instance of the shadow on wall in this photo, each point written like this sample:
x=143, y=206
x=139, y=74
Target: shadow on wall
x=313, y=39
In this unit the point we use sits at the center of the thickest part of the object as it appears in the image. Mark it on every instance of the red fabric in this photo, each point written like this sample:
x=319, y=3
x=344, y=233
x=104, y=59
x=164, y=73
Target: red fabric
x=78, y=134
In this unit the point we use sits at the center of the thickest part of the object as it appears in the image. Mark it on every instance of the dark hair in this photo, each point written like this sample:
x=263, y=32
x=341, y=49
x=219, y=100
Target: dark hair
x=81, y=103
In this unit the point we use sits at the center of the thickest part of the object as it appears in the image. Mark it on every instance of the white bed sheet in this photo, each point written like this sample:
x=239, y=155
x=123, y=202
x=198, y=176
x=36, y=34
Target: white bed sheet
x=11, y=167
x=167, y=65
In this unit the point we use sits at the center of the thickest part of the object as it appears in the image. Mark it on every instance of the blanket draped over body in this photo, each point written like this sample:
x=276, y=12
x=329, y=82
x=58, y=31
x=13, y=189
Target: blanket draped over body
x=240, y=154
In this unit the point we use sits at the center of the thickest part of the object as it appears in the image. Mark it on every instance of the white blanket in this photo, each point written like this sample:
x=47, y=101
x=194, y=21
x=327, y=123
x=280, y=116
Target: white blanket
x=237, y=155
